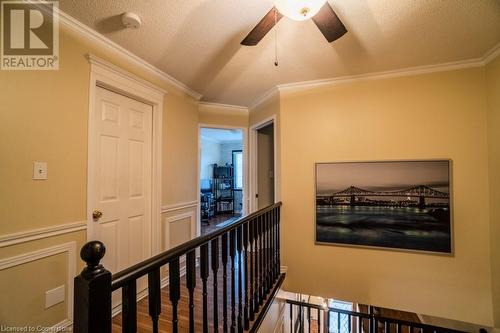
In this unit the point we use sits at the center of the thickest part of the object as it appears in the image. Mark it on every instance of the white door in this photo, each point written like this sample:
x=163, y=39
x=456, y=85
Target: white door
x=120, y=170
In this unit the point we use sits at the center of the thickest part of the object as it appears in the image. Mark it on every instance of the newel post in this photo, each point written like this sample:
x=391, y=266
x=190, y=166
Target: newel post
x=92, y=300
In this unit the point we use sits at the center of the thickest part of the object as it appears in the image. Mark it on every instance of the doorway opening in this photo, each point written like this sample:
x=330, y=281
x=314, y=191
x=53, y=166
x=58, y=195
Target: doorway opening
x=263, y=164
x=222, y=175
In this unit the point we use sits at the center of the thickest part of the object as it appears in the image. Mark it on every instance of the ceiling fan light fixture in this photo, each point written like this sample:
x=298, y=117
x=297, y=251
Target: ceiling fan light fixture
x=299, y=10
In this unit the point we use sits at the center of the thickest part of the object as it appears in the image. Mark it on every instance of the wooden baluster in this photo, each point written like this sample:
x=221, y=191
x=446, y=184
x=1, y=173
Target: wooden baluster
x=266, y=254
x=191, y=285
x=278, y=212
x=276, y=235
x=224, y=282
x=327, y=321
x=174, y=286
x=129, y=307
x=204, y=276
x=252, y=264
x=264, y=259
x=92, y=288
x=268, y=251
x=239, y=246
x=215, y=268
x=255, y=255
x=261, y=261
x=272, y=249
x=319, y=320
x=309, y=319
x=245, y=277
x=154, y=297
x=232, y=253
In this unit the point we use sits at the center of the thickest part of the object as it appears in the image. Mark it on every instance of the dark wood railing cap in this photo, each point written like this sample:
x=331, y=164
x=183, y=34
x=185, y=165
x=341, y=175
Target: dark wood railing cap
x=92, y=253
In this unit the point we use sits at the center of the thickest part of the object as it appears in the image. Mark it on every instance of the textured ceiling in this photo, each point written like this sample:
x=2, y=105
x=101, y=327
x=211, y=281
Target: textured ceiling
x=198, y=41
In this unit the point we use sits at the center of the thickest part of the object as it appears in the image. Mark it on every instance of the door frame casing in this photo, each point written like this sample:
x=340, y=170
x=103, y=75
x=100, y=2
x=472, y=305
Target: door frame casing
x=106, y=75
x=254, y=185
x=245, y=198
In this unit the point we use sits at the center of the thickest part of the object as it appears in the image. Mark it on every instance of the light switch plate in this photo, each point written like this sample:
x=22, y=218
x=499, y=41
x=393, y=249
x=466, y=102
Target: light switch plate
x=54, y=296
x=40, y=170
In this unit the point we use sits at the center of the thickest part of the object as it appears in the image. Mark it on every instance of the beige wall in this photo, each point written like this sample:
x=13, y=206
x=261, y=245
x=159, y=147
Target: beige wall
x=221, y=115
x=44, y=118
x=440, y=115
x=493, y=97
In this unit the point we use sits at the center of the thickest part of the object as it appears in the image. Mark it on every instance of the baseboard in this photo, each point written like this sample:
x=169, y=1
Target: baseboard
x=64, y=326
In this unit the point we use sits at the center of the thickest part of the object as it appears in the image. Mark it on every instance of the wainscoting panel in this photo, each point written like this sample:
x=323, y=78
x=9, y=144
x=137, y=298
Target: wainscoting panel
x=39, y=271
x=178, y=228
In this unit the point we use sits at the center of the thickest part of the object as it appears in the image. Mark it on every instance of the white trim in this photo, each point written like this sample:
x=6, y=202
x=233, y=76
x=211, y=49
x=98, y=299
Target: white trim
x=254, y=186
x=409, y=71
x=233, y=108
x=264, y=97
x=61, y=326
x=491, y=54
x=76, y=26
x=172, y=219
x=179, y=206
x=296, y=86
x=70, y=248
x=94, y=60
x=40, y=233
x=245, y=209
x=105, y=74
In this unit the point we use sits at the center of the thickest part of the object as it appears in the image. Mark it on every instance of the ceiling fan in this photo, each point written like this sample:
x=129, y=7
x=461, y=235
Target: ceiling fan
x=319, y=11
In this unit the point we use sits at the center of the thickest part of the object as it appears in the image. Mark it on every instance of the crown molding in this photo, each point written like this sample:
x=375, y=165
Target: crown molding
x=264, y=97
x=491, y=54
x=97, y=61
x=76, y=26
x=225, y=107
x=449, y=66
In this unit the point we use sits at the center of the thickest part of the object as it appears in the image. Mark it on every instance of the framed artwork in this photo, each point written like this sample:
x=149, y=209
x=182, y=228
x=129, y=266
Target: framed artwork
x=403, y=205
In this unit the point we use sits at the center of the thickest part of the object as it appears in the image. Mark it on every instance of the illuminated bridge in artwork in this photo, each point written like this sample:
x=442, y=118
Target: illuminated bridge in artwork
x=421, y=192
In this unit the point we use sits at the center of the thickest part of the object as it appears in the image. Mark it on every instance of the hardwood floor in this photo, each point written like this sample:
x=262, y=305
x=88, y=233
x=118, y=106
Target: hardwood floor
x=212, y=223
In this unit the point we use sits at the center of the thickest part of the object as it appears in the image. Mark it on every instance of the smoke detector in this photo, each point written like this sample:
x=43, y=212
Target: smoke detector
x=131, y=20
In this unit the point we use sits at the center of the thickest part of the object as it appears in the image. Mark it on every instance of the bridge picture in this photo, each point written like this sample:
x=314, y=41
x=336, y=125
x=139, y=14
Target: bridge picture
x=396, y=204
x=353, y=194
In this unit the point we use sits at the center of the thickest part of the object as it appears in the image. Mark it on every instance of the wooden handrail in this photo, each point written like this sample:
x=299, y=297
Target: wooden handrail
x=249, y=247
x=134, y=272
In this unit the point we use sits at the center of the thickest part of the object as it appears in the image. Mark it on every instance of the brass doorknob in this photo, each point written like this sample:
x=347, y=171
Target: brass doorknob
x=96, y=215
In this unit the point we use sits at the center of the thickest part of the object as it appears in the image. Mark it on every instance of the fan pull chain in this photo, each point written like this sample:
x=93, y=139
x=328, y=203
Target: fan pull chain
x=275, y=38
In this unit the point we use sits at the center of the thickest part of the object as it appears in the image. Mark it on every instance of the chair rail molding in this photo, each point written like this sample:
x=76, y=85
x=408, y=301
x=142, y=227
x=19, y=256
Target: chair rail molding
x=70, y=249
x=41, y=233
x=179, y=206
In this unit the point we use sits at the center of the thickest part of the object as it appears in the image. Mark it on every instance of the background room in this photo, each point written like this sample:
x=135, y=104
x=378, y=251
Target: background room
x=221, y=177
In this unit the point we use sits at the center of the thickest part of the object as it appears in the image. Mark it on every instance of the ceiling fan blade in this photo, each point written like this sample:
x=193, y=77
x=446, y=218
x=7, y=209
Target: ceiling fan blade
x=329, y=23
x=262, y=28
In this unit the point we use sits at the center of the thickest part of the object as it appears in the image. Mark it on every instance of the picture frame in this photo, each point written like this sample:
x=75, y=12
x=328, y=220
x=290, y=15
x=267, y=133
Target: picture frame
x=377, y=204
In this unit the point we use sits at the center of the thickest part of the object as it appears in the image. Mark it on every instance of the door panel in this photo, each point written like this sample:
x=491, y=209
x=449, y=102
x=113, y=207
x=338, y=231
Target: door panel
x=121, y=178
